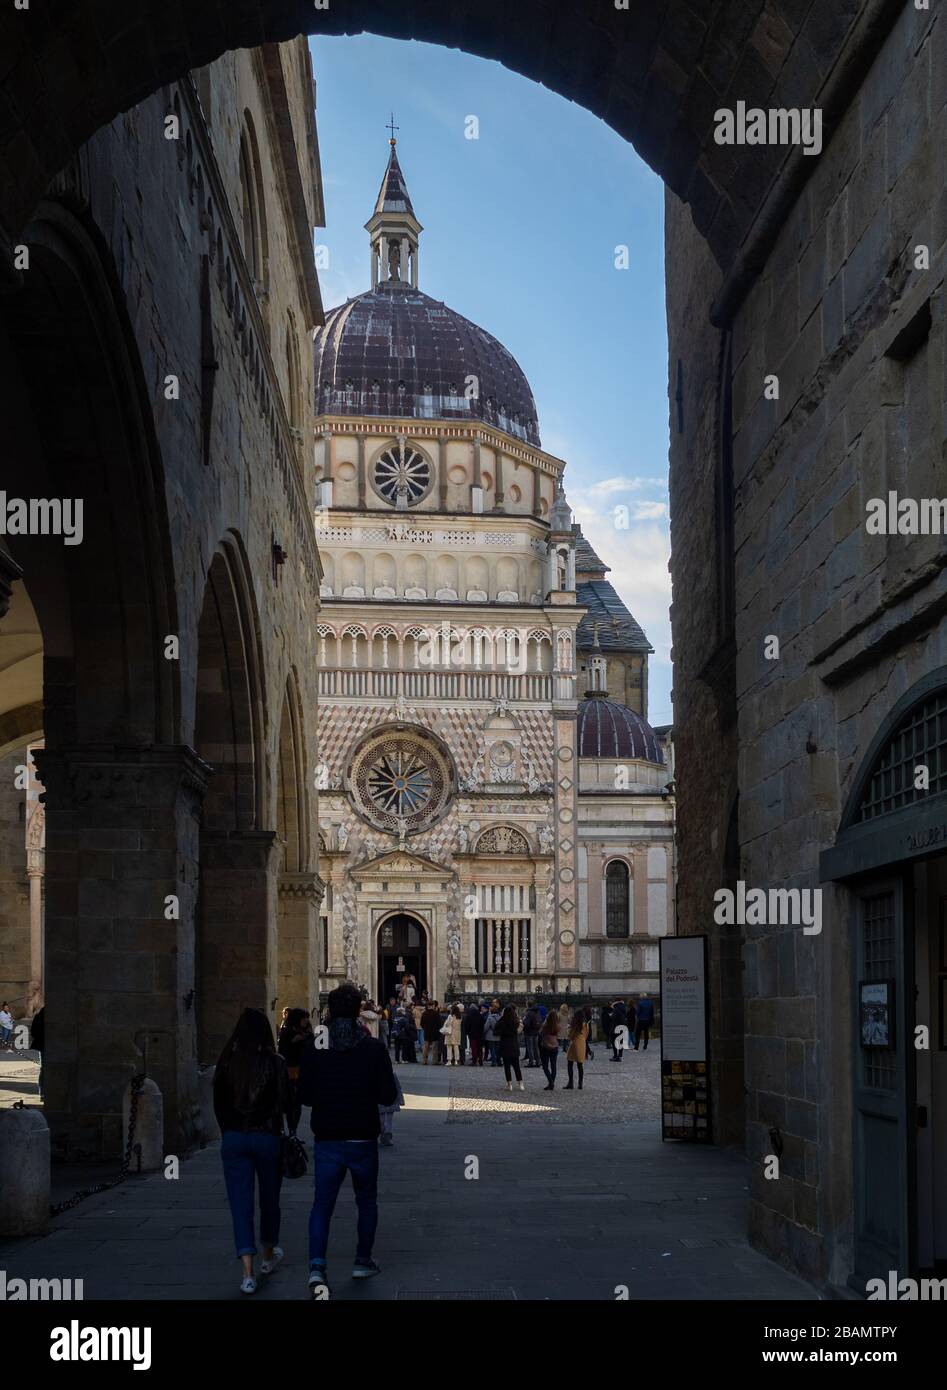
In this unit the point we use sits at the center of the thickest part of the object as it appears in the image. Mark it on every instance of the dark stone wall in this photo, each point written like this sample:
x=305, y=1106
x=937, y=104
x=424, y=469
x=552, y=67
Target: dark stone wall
x=655, y=72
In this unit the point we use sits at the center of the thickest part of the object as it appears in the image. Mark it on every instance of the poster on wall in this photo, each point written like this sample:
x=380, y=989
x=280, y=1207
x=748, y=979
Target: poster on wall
x=876, y=1013
x=685, y=1079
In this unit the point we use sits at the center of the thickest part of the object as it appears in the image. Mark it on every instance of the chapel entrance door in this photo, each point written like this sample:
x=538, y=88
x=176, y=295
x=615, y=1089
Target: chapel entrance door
x=402, y=949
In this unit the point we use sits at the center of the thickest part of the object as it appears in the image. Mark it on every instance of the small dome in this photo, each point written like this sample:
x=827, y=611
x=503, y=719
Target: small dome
x=609, y=730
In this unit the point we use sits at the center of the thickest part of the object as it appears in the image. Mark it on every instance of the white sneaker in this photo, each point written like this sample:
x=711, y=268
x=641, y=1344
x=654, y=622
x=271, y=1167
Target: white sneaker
x=522, y=1086
x=268, y=1266
x=509, y=1085
x=248, y=1284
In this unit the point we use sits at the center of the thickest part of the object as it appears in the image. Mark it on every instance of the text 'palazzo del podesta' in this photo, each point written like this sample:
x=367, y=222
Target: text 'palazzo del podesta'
x=496, y=812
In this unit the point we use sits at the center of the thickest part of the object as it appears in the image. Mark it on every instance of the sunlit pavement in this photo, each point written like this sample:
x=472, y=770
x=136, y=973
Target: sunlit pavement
x=519, y=1202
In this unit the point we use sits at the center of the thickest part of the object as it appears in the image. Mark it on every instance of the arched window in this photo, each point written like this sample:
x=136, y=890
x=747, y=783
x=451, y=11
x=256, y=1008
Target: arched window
x=252, y=213
x=617, y=900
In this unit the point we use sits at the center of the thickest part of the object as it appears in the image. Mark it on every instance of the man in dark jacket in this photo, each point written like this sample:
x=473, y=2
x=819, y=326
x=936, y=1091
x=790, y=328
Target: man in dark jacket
x=606, y=1020
x=344, y=1082
x=645, y=1013
x=431, y=1028
x=619, y=1023
x=631, y=1020
x=531, y=1026
x=474, y=1021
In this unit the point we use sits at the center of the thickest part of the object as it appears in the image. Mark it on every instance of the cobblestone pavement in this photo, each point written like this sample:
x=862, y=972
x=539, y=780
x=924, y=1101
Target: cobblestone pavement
x=18, y=1073
x=607, y=1206
x=613, y=1092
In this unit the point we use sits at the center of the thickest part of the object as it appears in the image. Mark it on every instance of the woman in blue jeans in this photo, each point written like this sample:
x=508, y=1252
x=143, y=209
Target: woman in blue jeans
x=251, y=1098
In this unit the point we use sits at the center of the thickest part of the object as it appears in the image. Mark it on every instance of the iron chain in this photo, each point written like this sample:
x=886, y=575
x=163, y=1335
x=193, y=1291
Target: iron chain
x=56, y=1208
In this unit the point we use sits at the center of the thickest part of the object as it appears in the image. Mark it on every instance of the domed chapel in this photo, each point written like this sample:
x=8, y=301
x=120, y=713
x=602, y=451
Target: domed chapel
x=496, y=813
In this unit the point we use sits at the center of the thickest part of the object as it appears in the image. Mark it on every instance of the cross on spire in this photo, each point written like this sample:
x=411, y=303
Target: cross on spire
x=392, y=127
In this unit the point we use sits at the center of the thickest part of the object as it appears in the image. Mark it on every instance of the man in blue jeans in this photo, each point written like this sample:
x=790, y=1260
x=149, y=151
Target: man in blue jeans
x=344, y=1076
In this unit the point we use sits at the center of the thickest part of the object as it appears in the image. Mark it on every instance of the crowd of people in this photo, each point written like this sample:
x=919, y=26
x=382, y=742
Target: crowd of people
x=343, y=1072
x=487, y=1033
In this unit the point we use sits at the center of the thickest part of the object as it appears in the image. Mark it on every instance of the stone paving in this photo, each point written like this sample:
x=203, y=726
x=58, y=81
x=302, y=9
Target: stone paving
x=606, y=1205
x=18, y=1073
x=622, y=1092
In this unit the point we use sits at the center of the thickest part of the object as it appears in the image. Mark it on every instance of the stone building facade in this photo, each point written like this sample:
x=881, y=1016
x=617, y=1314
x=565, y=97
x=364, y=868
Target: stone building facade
x=781, y=264
x=156, y=342
x=811, y=782
x=455, y=750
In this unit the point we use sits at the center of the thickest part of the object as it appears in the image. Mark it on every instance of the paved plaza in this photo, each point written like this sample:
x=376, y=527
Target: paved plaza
x=576, y=1196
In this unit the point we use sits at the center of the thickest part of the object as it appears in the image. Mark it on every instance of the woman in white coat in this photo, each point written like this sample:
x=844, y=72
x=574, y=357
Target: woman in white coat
x=451, y=1031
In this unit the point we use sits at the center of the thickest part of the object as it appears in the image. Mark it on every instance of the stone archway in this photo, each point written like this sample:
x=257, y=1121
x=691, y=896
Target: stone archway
x=655, y=73
x=298, y=947
x=237, y=879
x=120, y=792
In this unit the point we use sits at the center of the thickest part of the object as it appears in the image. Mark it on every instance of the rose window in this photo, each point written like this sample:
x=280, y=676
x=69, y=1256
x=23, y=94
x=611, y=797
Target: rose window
x=400, y=781
x=402, y=475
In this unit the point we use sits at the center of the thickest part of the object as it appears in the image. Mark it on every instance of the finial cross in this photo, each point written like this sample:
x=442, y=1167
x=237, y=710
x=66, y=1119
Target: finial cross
x=392, y=127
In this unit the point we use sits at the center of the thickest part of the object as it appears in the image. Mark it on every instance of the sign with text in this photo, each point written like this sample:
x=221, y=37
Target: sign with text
x=685, y=1084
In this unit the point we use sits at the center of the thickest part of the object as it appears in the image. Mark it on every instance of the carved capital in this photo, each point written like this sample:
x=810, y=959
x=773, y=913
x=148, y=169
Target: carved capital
x=304, y=886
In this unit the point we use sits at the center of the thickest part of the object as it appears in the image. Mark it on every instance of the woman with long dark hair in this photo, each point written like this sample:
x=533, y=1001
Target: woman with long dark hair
x=508, y=1035
x=251, y=1099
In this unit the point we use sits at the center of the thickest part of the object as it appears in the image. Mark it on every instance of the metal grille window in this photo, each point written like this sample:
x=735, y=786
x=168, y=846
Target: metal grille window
x=503, y=945
x=879, y=963
x=617, y=883
x=919, y=741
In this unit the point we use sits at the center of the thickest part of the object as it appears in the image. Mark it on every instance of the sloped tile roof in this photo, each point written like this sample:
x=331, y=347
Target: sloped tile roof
x=617, y=629
x=393, y=195
x=586, y=560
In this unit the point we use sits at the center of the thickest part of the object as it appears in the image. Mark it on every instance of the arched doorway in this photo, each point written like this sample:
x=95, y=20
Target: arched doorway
x=401, y=949
x=890, y=859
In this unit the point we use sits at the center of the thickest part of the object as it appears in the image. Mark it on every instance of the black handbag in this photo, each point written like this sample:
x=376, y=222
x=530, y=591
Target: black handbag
x=293, y=1156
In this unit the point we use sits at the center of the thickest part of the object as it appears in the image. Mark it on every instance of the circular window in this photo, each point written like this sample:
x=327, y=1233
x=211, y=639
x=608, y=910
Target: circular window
x=402, y=475
x=400, y=779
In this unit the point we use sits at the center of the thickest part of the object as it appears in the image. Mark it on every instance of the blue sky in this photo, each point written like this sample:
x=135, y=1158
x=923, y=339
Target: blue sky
x=520, y=233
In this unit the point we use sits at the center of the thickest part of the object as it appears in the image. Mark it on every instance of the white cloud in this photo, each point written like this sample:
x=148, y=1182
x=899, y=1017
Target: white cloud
x=606, y=486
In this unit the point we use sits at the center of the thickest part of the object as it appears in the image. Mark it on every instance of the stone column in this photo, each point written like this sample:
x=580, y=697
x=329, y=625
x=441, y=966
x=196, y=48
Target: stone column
x=565, y=773
x=477, y=476
x=498, y=498
x=552, y=582
x=362, y=481
x=236, y=933
x=297, y=940
x=640, y=907
x=15, y=923
x=121, y=895
x=537, y=493
x=466, y=888
x=442, y=471
x=327, y=485
x=34, y=873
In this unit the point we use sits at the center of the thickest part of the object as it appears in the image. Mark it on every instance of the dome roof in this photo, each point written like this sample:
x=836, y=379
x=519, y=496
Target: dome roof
x=394, y=351
x=606, y=729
